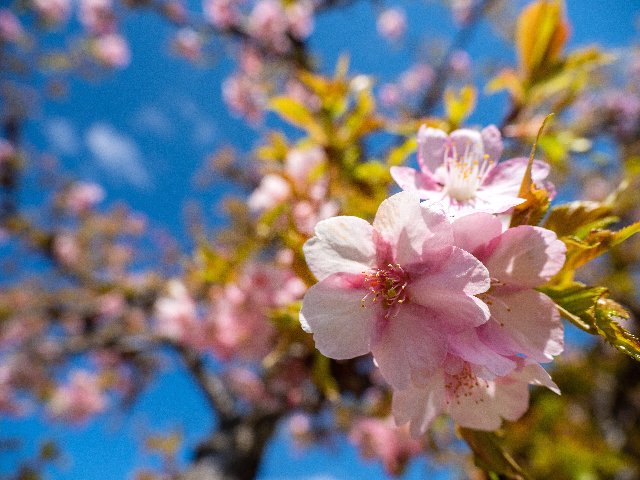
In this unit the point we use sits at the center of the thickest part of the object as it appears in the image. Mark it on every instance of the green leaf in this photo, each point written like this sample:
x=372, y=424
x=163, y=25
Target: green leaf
x=297, y=114
x=590, y=309
x=607, y=314
x=490, y=456
x=579, y=218
x=595, y=243
x=398, y=155
x=541, y=32
x=459, y=105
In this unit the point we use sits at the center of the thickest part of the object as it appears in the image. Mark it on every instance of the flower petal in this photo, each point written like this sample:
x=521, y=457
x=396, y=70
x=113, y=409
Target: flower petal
x=431, y=148
x=473, y=232
x=467, y=143
x=492, y=142
x=419, y=406
x=411, y=180
x=332, y=310
x=525, y=322
x=468, y=346
x=408, y=348
x=534, y=374
x=341, y=244
x=407, y=226
x=526, y=256
x=506, y=177
x=459, y=272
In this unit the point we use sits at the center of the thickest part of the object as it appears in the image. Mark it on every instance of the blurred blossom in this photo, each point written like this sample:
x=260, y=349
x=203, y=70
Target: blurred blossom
x=596, y=188
x=462, y=10
x=82, y=197
x=300, y=427
x=111, y=305
x=79, y=399
x=381, y=439
x=250, y=61
x=175, y=10
x=304, y=165
x=97, y=16
x=8, y=401
x=268, y=24
x=112, y=50
x=52, y=11
x=66, y=249
x=272, y=191
x=221, y=13
x=390, y=95
x=246, y=384
x=460, y=62
x=244, y=97
x=187, y=43
x=622, y=109
x=306, y=214
x=416, y=79
x=238, y=323
x=176, y=314
x=392, y=23
x=300, y=17
x=7, y=150
x=10, y=31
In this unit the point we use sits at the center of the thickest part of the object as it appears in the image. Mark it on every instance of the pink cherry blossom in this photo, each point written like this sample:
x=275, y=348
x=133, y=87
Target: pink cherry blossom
x=97, y=16
x=78, y=400
x=7, y=150
x=82, y=197
x=52, y=11
x=396, y=288
x=176, y=315
x=392, y=23
x=222, y=13
x=238, y=323
x=187, y=43
x=112, y=50
x=461, y=170
x=380, y=438
x=268, y=24
x=272, y=191
x=300, y=18
x=523, y=320
x=66, y=249
x=10, y=31
x=471, y=400
x=244, y=96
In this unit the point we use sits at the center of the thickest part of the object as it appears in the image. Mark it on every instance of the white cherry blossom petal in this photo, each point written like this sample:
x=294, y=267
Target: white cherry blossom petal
x=341, y=244
x=332, y=310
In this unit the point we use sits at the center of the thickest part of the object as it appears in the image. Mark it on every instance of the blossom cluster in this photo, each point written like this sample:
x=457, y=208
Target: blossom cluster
x=442, y=292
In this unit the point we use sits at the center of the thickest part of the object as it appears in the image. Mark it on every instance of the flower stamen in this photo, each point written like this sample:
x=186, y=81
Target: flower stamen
x=389, y=284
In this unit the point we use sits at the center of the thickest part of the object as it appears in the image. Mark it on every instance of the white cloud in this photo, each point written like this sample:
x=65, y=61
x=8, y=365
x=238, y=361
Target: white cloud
x=62, y=136
x=117, y=153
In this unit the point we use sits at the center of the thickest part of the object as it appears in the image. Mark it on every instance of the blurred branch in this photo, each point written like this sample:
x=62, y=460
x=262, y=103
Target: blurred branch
x=434, y=94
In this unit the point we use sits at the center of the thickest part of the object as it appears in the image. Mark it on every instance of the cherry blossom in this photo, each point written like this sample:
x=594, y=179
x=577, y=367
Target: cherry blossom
x=471, y=400
x=10, y=31
x=82, y=197
x=79, y=399
x=176, y=314
x=392, y=23
x=380, y=438
x=461, y=170
x=112, y=50
x=52, y=11
x=523, y=320
x=395, y=288
x=222, y=13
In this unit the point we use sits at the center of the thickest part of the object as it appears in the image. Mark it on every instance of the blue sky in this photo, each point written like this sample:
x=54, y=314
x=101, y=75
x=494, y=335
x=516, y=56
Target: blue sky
x=143, y=132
